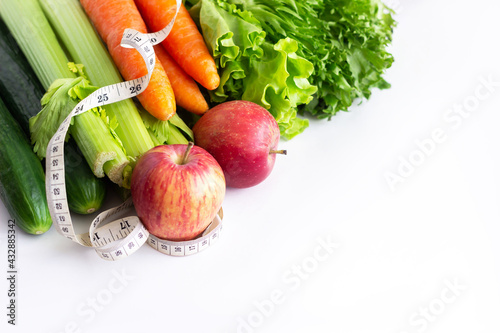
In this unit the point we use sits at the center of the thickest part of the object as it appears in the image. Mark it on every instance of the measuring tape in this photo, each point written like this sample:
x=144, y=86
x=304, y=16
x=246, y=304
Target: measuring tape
x=122, y=237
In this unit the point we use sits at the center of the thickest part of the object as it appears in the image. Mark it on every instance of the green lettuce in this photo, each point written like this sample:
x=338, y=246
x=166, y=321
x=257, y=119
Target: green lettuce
x=253, y=68
x=346, y=40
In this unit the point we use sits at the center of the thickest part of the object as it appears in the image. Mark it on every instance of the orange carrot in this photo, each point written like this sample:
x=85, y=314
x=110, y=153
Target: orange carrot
x=184, y=43
x=111, y=18
x=186, y=91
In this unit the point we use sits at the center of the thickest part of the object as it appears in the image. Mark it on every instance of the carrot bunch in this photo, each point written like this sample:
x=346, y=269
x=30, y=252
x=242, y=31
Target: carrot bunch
x=181, y=61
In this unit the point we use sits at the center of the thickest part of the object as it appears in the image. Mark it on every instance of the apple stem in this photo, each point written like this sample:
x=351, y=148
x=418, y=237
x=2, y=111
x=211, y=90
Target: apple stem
x=282, y=151
x=186, y=153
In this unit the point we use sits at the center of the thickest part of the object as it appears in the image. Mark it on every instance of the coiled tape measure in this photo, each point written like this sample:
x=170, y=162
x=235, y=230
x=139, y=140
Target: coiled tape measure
x=122, y=237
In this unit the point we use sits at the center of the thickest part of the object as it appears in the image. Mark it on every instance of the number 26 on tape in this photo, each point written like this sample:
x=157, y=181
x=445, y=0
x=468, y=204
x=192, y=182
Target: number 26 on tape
x=135, y=89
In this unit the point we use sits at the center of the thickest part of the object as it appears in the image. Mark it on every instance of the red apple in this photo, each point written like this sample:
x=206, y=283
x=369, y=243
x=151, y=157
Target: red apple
x=177, y=190
x=243, y=137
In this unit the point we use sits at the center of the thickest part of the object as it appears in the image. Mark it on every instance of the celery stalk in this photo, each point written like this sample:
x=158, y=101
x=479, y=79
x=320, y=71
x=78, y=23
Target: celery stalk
x=166, y=132
x=34, y=35
x=177, y=122
x=32, y=31
x=74, y=29
x=91, y=125
x=176, y=137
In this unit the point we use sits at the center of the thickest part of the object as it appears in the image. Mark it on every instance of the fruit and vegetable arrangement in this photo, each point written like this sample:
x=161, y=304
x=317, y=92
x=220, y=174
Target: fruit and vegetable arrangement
x=230, y=80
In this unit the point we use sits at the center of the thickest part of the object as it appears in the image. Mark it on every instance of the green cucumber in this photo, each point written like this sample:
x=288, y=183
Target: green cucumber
x=22, y=180
x=19, y=87
x=82, y=183
x=21, y=92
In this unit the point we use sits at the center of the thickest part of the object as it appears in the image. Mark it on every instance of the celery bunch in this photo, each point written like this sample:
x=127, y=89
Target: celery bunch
x=31, y=29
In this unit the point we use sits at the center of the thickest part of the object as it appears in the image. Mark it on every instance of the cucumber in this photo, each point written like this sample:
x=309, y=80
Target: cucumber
x=19, y=87
x=22, y=180
x=21, y=92
x=85, y=192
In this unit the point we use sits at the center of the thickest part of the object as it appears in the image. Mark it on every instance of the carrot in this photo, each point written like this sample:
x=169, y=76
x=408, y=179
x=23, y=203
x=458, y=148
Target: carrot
x=184, y=43
x=186, y=91
x=111, y=18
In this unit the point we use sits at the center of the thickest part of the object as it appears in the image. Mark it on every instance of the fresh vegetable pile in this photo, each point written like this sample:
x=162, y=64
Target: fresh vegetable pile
x=247, y=70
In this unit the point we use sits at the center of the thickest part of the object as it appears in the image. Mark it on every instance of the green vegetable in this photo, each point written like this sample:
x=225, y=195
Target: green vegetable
x=21, y=92
x=85, y=192
x=32, y=31
x=20, y=89
x=269, y=73
x=341, y=45
x=173, y=131
x=22, y=180
x=346, y=40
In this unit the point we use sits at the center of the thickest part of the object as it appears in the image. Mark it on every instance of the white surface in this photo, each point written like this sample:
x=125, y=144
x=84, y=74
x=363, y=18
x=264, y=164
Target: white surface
x=396, y=252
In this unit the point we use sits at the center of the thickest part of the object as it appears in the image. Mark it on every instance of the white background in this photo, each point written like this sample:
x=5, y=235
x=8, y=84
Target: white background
x=423, y=256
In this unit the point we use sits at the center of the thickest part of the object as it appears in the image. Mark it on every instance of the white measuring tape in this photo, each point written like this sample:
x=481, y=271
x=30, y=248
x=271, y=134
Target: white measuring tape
x=119, y=238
